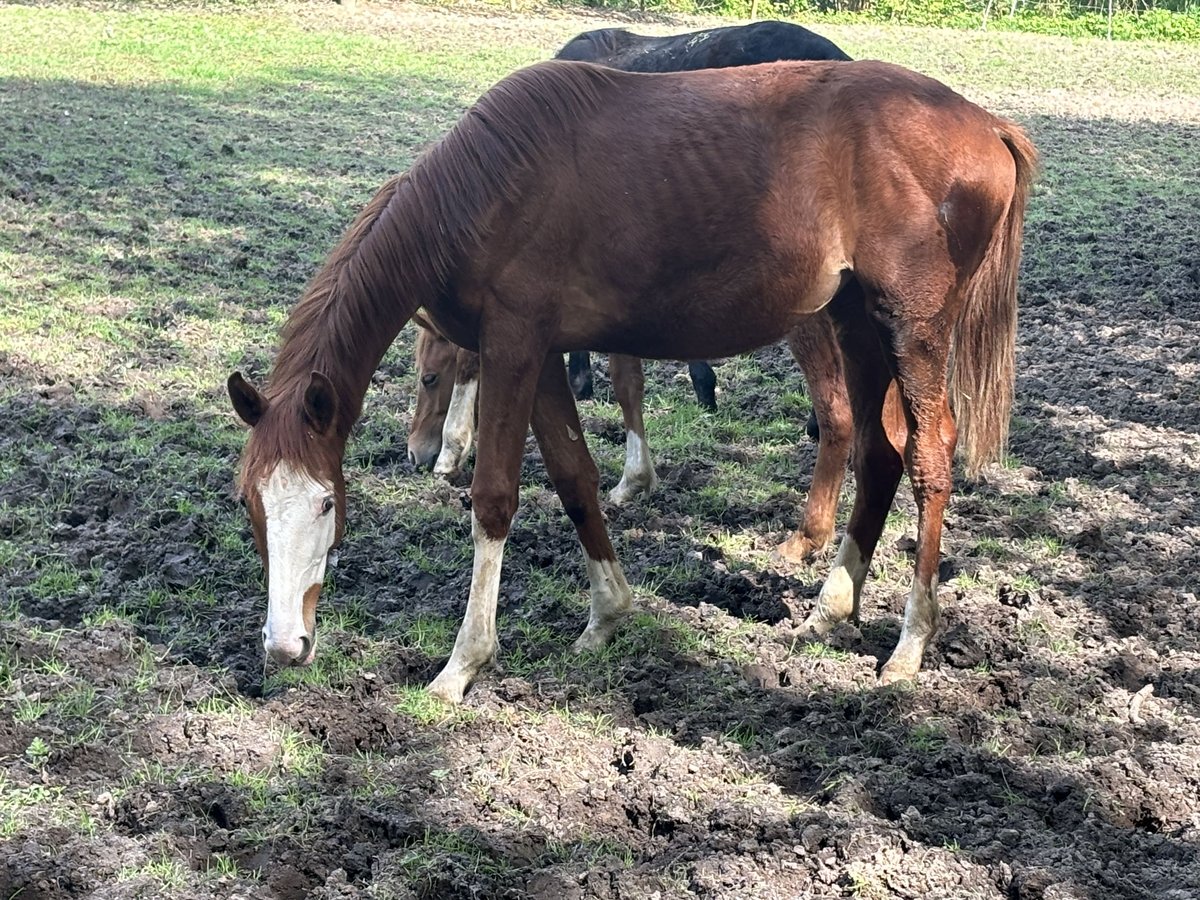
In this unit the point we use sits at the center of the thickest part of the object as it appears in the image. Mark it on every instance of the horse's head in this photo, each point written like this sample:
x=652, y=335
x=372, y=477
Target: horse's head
x=292, y=485
x=436, y=363
x=596, y=46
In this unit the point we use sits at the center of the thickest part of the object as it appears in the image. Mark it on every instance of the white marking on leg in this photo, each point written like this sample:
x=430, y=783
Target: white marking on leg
x=301, y=525
x=838, y=600
x=639, y=476
x=612, y=601
x=921, y=618
x=459, y=430
x=476, y=644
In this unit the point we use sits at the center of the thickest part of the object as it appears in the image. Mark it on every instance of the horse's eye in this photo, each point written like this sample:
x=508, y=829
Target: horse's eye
x=326, y=506
x=429, y=379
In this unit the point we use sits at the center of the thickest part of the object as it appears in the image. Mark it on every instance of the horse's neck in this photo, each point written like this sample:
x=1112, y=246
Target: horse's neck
x=376, y=287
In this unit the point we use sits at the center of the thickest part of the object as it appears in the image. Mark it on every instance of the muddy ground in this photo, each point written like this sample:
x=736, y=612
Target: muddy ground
x=1048, y=750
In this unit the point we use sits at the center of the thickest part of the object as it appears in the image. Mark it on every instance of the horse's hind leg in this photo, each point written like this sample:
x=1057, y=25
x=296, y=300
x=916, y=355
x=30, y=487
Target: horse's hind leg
x=459, y=427
x=629, y=384
x=814, y=344
x=877, y=464
x=576, y=479
x=922, y=353
x=580, y=367
x=704, y=383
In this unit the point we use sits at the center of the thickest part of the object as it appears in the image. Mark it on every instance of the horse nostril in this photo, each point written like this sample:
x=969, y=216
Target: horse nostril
x=305, y=648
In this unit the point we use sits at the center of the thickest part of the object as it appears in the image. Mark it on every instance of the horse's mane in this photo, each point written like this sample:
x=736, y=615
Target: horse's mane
x=402, y=248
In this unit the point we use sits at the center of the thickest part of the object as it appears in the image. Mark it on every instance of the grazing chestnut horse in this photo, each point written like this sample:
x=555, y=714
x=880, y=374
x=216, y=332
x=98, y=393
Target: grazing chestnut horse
x=688, y=215
x=444, y=420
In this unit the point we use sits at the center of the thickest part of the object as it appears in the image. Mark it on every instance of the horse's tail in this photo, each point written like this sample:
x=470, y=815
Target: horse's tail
x=983, y=363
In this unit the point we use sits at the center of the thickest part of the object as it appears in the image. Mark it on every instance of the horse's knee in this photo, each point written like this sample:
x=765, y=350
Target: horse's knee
x=494, y=511
x=579, y=494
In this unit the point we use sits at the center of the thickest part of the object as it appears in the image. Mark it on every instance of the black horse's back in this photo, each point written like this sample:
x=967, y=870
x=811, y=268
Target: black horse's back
x=713, y=48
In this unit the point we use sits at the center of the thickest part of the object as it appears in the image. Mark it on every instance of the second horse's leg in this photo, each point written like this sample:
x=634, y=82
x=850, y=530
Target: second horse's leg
x=877, y=464
x=629, y=384
x=581, y=374
x=704, y=383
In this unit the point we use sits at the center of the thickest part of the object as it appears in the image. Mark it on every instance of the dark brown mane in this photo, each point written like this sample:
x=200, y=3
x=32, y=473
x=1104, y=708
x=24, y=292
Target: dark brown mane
x=400, y=251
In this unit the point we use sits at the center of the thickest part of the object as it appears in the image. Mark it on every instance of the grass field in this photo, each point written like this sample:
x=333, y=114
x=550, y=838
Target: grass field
x=170, y=179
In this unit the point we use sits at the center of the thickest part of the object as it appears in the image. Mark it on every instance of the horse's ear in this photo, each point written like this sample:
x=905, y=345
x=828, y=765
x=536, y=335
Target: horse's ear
x=248, y=403
x=320, y=403
x=421, y=322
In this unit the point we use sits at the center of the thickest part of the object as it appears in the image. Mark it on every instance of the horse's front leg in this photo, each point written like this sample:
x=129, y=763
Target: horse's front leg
x=506, y=389
x=571, y=468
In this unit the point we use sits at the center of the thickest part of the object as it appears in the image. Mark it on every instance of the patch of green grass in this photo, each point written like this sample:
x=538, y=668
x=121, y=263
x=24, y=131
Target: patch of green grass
x=418, y=704
x=588, y=852
x=19, y=804
x=927, y=737
x=820, y=650
x=30, y=710
x=593, y=722
x=167, y=872
x=429, y=862
x=299, y=755
x=744, y=735
x=56, y=581
x=335, y=665
x=432, y=636
x=991, y=548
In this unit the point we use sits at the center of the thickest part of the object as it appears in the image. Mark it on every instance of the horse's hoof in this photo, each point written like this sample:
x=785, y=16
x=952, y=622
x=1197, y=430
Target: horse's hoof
x=797, y=549
x=903, y=666
x=597, y=635
x=818, y=624
x=628, y=490
x=889, y=677
x=448, y=689
x=450, y=462
x=835, y=603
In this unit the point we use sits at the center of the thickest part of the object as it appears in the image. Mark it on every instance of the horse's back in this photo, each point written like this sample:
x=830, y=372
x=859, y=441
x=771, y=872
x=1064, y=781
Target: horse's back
x=715, y=48
x=751, y=191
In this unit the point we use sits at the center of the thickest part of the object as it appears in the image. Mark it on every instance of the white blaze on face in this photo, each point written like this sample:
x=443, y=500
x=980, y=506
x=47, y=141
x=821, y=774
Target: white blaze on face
x=301, y=524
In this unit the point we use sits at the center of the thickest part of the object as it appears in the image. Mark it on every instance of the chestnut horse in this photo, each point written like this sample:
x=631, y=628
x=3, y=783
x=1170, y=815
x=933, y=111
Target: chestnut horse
x=443, y=422
x=682, y=216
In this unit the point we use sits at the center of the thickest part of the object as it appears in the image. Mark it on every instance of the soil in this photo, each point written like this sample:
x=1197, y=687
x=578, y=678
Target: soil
x=1048, y=751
